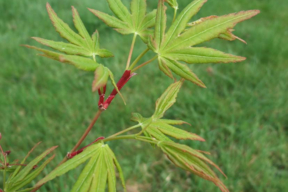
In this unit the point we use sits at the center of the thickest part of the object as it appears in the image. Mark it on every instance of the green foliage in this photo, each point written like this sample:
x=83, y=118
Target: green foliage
x=191, y=160
x=176, y=44
x=172, y=46
x=23, y=174
x=81, y=46
x=137, y=22
x=99, y=170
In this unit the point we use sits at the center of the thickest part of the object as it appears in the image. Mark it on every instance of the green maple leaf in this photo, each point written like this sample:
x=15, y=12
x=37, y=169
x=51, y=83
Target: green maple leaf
x=80, y=47
x=159, y=128
x=178, y=43
x=99, y=170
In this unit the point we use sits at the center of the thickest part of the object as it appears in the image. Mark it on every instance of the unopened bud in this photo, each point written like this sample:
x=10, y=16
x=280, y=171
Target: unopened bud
x=35, y=166
x=7, y=153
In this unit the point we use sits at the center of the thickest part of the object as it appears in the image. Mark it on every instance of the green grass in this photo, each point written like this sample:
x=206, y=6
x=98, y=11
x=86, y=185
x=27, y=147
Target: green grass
x=243, y=114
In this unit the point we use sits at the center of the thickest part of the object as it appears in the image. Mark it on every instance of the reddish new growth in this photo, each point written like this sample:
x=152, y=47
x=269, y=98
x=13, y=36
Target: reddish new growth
x=103, y=105
x=71, y=155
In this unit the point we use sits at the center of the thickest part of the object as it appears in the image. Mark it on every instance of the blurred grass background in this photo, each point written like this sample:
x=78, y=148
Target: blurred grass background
x=242, y=114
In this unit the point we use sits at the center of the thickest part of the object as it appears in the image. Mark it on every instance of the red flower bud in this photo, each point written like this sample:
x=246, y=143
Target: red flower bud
x=35, y=166
x=7, y=153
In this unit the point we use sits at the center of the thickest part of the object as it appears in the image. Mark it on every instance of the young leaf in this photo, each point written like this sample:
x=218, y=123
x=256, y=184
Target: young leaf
x=202, y=55
x=183, y=71
x=167, y=99
x=181, y=21
x=209, y=29
x=101, y=78
x=160, y=25
x=82, y=44
x=64, y=30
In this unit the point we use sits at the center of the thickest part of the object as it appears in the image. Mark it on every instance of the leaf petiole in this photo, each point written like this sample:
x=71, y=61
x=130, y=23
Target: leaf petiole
x=131, y=51
x=138, y=58
x=125, y=130
x=143, y=64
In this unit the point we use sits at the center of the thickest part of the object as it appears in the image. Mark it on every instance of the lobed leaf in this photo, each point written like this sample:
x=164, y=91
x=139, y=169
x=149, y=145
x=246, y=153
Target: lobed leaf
x=202, y=55
x=190, y=160
x=209, y=29
x=63, y=29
